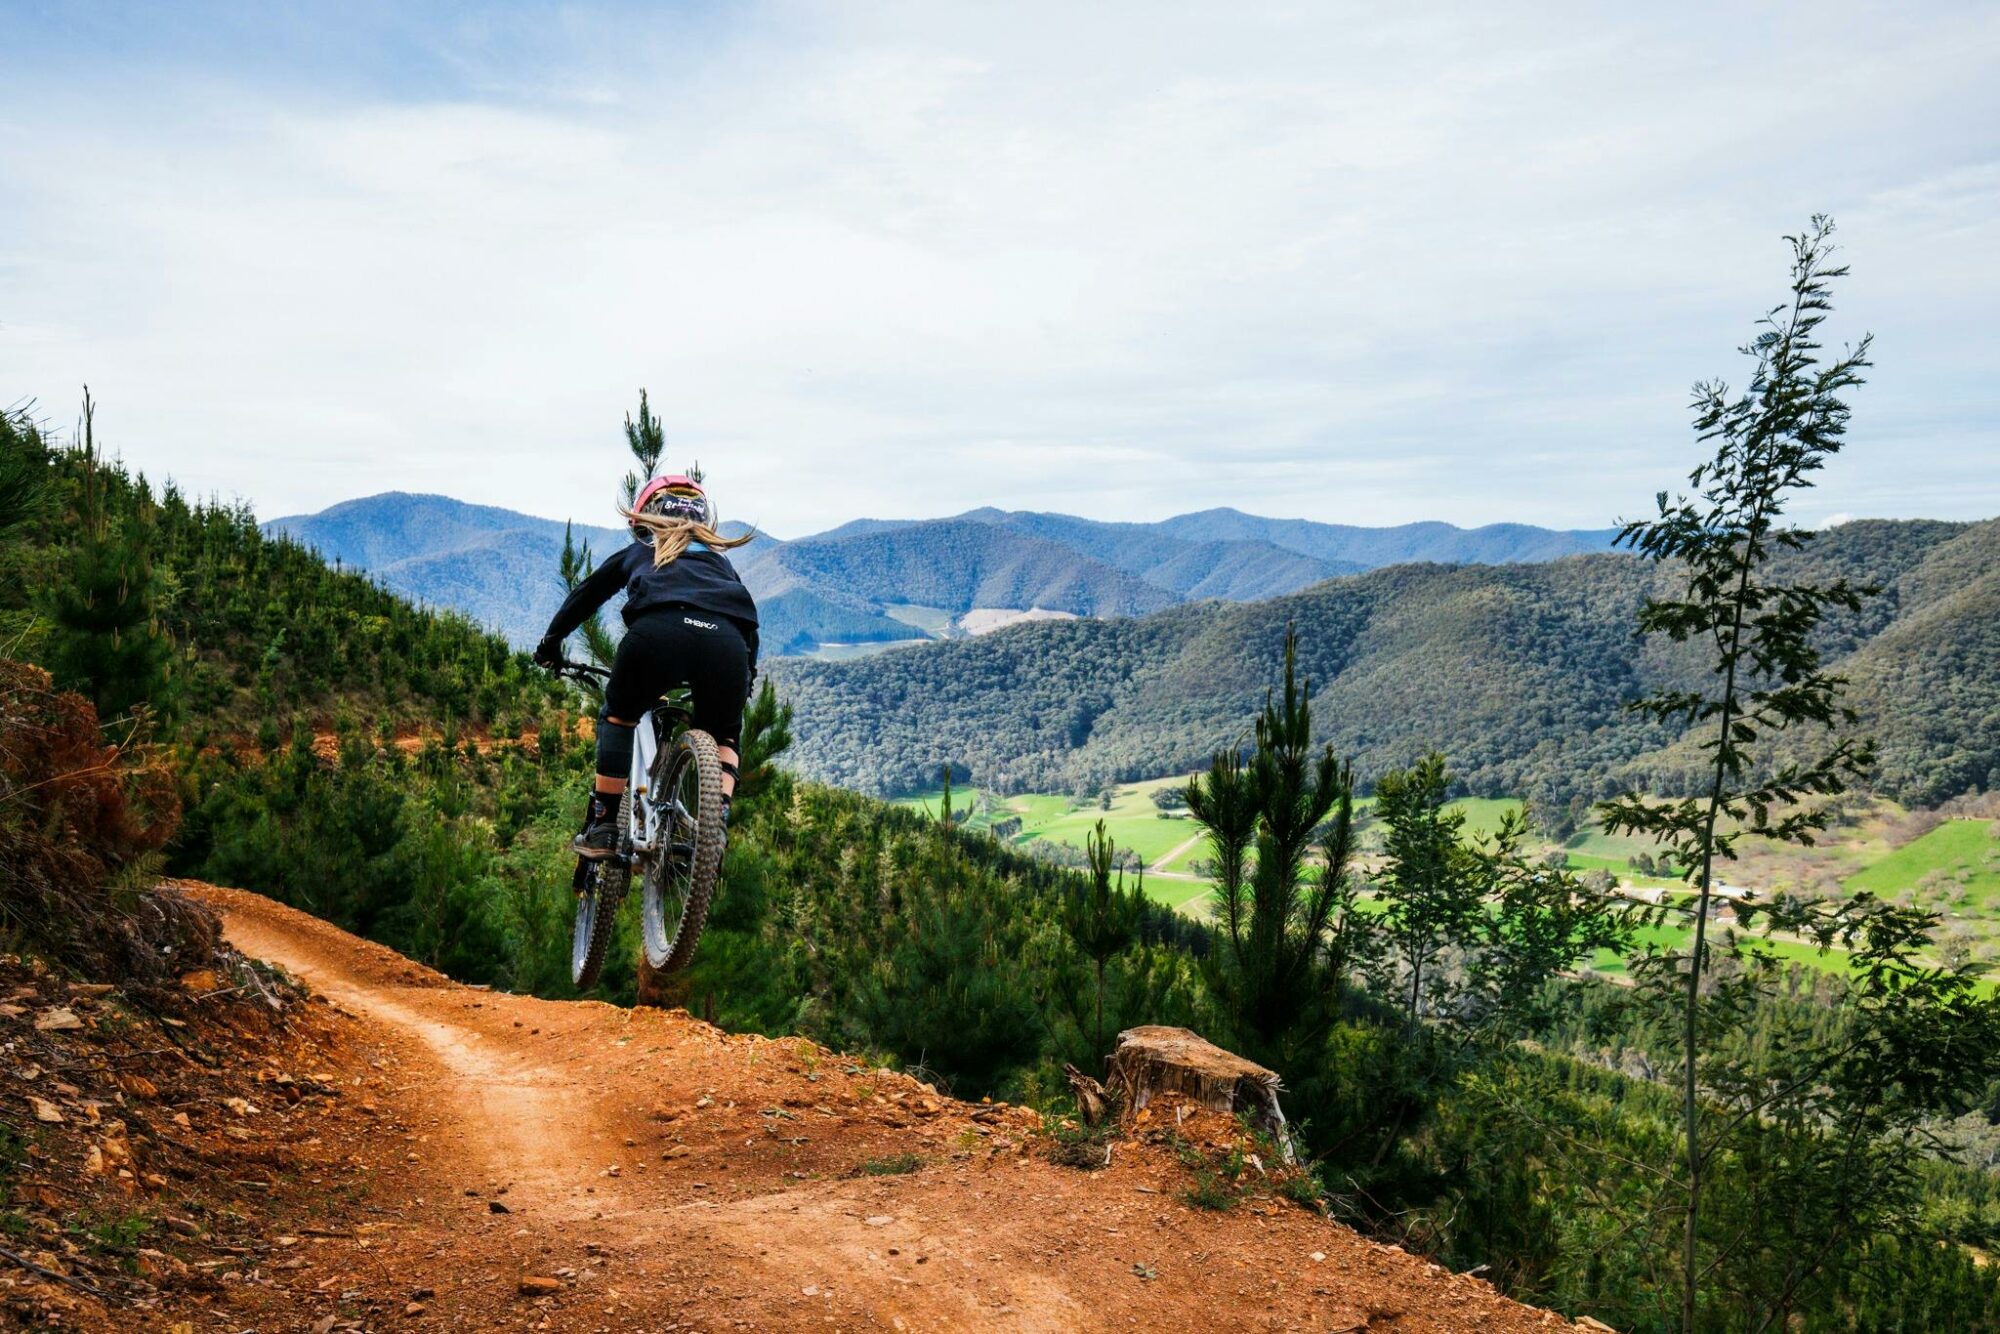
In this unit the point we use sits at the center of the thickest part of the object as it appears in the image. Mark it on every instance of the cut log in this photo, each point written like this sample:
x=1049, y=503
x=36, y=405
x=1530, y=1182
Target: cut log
x=1154, y=1059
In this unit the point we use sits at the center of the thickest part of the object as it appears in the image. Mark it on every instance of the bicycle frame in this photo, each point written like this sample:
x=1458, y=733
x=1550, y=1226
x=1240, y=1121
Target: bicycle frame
x=640, y=826
x=655, y=728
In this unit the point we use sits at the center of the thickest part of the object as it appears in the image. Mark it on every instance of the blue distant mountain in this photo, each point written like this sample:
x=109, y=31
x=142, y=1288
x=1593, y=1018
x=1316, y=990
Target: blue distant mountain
x=497, y=566
x=871, y=583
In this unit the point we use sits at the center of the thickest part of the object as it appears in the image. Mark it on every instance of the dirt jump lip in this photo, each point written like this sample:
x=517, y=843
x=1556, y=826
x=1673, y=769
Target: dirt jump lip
x=657, y=1170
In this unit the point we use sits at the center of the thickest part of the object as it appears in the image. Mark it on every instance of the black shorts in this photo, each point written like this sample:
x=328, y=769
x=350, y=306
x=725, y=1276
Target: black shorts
x=683, y=646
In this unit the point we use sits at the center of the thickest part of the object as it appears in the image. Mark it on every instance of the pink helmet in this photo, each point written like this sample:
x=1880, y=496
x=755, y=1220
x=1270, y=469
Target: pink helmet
x=675, y=496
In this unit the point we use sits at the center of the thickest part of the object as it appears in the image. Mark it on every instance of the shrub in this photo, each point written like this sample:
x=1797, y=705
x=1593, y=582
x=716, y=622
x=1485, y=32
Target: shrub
x=82, y=822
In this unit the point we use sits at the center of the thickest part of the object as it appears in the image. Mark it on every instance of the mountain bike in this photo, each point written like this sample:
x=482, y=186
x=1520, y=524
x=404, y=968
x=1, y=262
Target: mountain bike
x=672, y=836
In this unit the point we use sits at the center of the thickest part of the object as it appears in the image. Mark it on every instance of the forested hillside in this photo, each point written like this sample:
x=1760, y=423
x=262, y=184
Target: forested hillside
x=249, y=631
x=955, y=567
x=1336, y=548
x=1520, y=672
x=1180, y=555
x=380, y=532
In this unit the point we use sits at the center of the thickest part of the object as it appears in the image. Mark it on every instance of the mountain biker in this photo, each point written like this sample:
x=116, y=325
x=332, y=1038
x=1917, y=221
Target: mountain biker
x=689, y=621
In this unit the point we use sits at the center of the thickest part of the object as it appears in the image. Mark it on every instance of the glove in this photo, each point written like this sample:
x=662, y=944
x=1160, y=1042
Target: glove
x=548, y=653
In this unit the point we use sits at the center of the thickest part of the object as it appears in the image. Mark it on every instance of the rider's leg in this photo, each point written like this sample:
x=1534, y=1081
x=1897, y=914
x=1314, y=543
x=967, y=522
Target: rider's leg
x=634, y=684
x=613, y=783
x=719, y=675
x=614, y=761
x=726, y=756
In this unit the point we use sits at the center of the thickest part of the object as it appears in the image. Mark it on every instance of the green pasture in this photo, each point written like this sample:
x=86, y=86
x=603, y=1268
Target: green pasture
x=1132, y=821
x=1186, y=896
x=1483, y=814
x=1184, y=863
x=1614, y=848
x=1617, y=866
x=1959, y=861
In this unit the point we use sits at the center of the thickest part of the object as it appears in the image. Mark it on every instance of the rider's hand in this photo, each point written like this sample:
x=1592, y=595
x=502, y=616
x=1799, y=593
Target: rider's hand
x=548, y=653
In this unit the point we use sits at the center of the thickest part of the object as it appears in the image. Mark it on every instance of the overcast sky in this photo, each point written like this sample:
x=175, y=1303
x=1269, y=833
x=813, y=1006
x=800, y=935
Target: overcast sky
x=1356, y=263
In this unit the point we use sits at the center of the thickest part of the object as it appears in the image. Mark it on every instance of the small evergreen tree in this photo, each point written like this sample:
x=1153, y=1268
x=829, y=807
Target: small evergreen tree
x=1275, y=973
x=1102, y=919
x=647, y=439
x=767, y=734
x=954, y=990
x=24, y=472
x=575, y=566
x=108, y=645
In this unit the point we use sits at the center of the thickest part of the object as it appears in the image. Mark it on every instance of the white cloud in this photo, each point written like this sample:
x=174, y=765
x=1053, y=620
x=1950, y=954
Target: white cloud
x=1336, y=262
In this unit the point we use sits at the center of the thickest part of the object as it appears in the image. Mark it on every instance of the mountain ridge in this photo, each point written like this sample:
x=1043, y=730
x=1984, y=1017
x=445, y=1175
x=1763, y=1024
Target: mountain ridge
x=846, y=586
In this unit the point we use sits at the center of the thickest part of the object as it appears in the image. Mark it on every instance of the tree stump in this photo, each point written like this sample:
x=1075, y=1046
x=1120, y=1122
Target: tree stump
x=1091, y=1103
x=1154, y=1059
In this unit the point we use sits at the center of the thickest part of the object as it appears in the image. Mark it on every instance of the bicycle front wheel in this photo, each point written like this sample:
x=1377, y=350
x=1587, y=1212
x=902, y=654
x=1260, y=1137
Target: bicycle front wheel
x=681, y=877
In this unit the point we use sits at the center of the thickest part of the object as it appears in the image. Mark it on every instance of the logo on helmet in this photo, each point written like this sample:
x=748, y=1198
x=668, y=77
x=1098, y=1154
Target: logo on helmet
x=675, y=497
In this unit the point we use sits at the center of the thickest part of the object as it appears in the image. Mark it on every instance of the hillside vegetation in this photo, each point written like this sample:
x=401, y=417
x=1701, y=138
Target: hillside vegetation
x=247, y=631
x=1181, y=555
x=1520, y=672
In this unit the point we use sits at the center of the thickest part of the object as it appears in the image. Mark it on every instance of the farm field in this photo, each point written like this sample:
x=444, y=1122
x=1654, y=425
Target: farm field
x=1952, y=868
x=849, y=652
x=1483, y=814
x=1956, y=865
x=1132, y=821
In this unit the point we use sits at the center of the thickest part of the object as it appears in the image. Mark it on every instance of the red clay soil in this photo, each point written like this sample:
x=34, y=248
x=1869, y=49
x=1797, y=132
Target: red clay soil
x=512, y=1163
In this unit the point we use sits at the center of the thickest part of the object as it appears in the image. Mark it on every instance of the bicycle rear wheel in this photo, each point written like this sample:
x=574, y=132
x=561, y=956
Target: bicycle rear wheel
x=680, y=878
x=600, y=887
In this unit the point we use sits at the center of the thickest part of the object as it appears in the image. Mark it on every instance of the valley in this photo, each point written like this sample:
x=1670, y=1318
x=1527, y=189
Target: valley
x=936, y=623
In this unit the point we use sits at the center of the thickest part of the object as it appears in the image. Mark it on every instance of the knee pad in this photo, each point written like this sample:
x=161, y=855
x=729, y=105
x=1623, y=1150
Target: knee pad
x=614, y=749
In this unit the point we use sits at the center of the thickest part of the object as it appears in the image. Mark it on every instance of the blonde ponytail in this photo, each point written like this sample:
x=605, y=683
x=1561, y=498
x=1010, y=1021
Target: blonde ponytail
x=672, y=536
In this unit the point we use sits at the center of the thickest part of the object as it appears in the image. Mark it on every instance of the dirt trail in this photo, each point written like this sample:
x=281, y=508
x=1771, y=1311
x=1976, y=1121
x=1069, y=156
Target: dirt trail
x=671, y=1176
x=1160, y=865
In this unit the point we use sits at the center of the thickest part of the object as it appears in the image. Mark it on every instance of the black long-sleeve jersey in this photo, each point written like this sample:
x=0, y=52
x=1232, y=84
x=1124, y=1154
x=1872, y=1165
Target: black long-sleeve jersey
x=701, y=579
